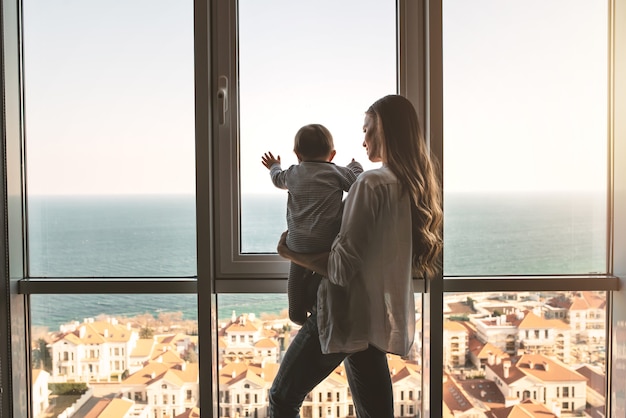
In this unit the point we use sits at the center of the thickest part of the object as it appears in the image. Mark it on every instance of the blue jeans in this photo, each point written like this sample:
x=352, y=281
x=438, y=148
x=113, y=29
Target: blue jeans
x=304, y=366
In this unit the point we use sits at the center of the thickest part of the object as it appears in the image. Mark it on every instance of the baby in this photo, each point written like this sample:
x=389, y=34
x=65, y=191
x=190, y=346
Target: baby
x=314, y=207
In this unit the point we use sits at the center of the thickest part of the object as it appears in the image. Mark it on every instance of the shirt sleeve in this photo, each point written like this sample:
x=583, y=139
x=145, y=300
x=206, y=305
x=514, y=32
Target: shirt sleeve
x=279, y=177
x=351, y=245
x=350, y=174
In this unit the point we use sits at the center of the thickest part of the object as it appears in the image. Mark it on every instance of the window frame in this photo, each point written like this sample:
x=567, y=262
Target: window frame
x=213, y=277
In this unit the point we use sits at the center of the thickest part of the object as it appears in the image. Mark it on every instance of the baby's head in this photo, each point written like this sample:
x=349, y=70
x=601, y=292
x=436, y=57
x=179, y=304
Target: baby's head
x=314, y=143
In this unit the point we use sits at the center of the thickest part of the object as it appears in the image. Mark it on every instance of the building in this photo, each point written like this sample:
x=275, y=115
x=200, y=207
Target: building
x=596, y=385
x=164, y=389
x=541, y=379
x=524, y=330
x=527, y=408
x=93, y=350
x=480, y=353
x=40, y=391
x=457, y=403
x=455, y=344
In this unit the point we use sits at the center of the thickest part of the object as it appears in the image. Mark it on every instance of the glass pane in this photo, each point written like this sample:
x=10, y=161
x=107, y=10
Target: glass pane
x=536, y=353
x=255, y=351
x=525, y=102
x=116, y=355
x=109, y=105
x=105, y=236
x=323, y=62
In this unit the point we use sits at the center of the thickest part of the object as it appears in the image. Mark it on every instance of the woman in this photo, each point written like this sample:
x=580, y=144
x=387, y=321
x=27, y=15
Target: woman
x=390, y=231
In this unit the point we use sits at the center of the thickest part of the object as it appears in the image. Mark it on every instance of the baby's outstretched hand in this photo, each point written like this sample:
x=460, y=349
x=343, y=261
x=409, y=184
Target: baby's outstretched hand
x=269, y=160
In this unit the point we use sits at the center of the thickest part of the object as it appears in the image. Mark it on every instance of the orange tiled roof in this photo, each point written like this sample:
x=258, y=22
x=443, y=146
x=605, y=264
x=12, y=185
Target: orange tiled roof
x=190, y=413
x=231, y=370
x=97, y=408
x=118, y=407
x=266, y=343
x=485, y=391
x=143, y=347
x=97, y=333
x=525, y=409
x=150, y=372
x=454, y=326
x=221, y=343
x=482, y=351
x=547, y=369
x=596, y=379
x=454, y=398
x=405, y=373
x=36, y=373
x=169, y=356
x=587, y=300
x=532, y=321
x=110, y=332
x=242, y=325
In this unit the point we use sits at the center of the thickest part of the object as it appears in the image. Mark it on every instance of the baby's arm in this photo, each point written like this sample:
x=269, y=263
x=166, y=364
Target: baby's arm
x=277, y=175
x=351, y=172
x=355, y=167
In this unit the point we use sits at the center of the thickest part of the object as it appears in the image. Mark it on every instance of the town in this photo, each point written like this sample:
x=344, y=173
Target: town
x=505, y=355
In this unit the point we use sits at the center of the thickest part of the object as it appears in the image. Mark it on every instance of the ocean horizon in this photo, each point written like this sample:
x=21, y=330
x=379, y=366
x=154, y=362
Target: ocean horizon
x=154, y=236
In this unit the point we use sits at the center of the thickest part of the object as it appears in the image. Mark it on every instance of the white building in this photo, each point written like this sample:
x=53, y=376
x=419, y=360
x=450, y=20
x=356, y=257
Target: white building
x=526, y=331
x=480, y=353
x=541, y=379
x=40, y=391
x=455, y=344
x=240, y=336
x=244, y=388
x=498, y=330
x=165, y=389
x=93, y=350
x=407, y=384
x=546, y=336
x=141, y=353
x=587, y=319
x=266, y=349
x=330, y=398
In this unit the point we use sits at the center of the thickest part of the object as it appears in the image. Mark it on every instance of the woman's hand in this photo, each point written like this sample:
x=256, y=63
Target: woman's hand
x=282, y=248
x=315, y=262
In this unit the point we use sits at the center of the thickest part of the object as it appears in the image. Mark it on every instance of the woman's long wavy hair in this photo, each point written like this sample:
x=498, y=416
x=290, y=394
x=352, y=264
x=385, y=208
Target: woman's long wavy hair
x=407, y=155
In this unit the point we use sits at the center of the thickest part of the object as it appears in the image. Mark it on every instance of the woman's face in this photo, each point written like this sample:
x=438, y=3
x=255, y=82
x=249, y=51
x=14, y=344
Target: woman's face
x=373, y=139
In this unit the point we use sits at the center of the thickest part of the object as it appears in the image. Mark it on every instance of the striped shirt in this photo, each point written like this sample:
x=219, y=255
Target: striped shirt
x=314, y=203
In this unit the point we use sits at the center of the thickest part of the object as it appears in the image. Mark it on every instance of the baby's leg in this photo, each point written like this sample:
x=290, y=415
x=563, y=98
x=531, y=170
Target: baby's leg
x=296, y=293
x=312, y=280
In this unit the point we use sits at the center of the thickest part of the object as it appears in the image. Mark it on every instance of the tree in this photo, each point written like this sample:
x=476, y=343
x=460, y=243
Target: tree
x=146, y=332
x=190, y=355
x=41, y=356
x=470, y=302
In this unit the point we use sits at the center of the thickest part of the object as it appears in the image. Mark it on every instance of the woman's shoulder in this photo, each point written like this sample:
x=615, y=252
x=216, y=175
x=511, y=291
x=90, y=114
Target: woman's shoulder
x=378, y=176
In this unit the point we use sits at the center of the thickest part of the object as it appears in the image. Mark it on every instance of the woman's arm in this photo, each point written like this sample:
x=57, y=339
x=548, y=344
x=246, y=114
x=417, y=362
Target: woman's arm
x=318, y=262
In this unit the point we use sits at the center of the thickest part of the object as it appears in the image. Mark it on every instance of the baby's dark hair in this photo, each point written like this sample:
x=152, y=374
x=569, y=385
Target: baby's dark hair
x=313, y=142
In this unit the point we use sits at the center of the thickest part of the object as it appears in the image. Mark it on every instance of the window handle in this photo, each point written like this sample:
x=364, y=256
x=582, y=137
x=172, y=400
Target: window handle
x=222, y=97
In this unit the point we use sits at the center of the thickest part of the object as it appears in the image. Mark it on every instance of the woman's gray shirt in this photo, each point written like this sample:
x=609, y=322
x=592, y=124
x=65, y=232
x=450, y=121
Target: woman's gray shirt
x=368, y=296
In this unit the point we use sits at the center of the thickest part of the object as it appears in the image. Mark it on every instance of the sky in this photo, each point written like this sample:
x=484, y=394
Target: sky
x=109, y=90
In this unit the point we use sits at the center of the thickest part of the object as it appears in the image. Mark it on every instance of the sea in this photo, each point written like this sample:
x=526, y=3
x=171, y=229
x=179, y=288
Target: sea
x=154, y=236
